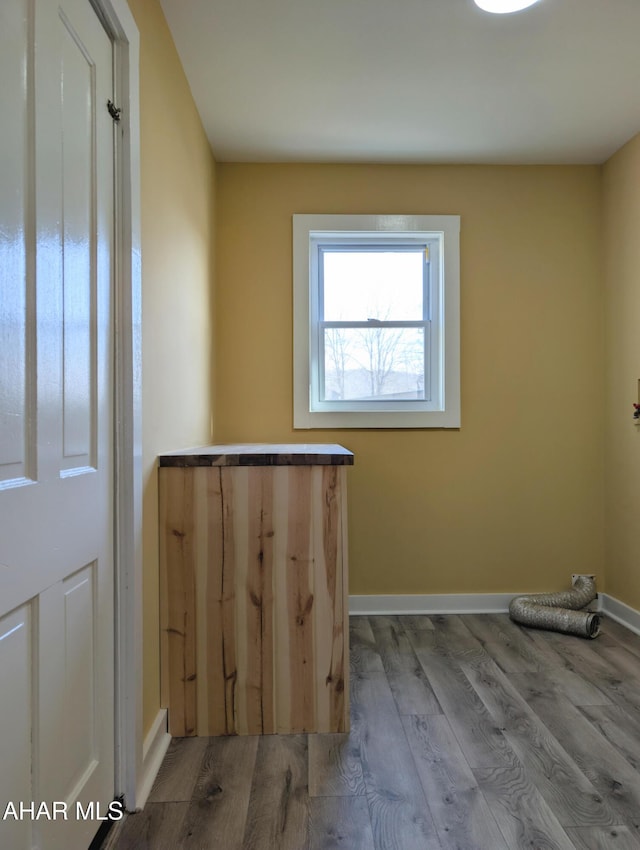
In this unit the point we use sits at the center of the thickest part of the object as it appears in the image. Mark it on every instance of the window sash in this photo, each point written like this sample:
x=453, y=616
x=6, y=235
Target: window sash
x=356, y=244
x=380, y=246
x=348, y=403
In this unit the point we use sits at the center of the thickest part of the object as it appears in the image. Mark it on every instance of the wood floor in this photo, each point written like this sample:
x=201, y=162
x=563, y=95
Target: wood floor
x=468, y=733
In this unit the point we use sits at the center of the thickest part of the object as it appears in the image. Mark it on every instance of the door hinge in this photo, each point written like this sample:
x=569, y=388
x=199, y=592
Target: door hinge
x=114, y=112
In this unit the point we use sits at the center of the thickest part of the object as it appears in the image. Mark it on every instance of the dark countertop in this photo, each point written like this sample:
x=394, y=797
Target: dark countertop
x=261, y=454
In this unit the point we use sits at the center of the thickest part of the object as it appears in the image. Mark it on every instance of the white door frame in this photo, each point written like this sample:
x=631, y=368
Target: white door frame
x=129, y=769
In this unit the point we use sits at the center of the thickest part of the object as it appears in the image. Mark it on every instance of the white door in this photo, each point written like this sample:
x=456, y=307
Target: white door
x=56, y=425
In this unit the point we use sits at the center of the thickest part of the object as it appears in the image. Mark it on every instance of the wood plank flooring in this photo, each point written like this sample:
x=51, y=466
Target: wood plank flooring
x=467, y=733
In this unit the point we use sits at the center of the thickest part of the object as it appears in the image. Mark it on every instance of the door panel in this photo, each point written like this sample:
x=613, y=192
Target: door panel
x=56, y=413
x=16, y=289
x=16, y=652
x=79, y=249
x=81, y=746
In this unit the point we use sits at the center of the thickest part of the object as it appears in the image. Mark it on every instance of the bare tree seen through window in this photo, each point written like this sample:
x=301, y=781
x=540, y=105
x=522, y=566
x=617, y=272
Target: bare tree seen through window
x=376, y=361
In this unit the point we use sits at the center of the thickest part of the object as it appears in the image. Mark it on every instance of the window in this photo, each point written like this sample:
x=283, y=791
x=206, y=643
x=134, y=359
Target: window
x=376, y=321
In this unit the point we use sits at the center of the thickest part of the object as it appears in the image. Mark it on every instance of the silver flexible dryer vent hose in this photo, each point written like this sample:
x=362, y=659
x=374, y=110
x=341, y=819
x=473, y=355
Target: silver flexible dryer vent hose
x=560, y=612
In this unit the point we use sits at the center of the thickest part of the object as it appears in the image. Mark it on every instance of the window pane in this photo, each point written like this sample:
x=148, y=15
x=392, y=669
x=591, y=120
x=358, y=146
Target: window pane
x=382, y=364
x=361, y=285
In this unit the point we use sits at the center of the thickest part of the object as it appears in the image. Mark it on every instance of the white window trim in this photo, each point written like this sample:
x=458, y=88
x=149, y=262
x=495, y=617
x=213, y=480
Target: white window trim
x=304, y=226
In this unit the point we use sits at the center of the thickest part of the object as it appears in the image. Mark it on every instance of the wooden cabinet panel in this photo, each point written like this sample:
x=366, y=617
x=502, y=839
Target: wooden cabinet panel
x=254, y=599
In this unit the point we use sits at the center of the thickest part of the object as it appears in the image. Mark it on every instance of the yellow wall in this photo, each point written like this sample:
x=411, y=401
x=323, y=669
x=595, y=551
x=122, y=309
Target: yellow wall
x=621, y=206
x=514, y=500
x=178, y=197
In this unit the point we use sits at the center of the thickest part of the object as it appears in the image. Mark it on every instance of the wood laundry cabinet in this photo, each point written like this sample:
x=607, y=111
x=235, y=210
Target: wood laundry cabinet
x=254, y=599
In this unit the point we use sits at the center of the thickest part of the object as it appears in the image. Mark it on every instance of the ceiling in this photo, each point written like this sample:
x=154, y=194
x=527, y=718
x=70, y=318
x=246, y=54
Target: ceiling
x=411, y=81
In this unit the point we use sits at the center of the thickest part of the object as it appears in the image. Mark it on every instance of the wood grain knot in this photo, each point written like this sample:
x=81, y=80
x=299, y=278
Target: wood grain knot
x=213, y=791
x=302, y=616
x=177, y=533
x=191, y=678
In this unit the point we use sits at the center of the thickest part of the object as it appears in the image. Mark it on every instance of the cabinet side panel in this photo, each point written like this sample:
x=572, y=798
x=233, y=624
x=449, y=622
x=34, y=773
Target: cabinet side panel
x=324, y=591
x=344, y=549
x=212, y=718
x=259, y=603
x=282, y=675
x=300, y=600
x=228, y=605
x=328, y=591
x=179, y=605
x=237, y=553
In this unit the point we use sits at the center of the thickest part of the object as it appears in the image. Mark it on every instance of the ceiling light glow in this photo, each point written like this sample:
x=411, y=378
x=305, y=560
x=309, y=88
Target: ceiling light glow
x=502, y=7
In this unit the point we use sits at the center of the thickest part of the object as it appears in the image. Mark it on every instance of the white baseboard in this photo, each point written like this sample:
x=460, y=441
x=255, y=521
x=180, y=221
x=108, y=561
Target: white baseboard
x=156, y=744
x=443, y=603
x=620, y=612
x=474, y=603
